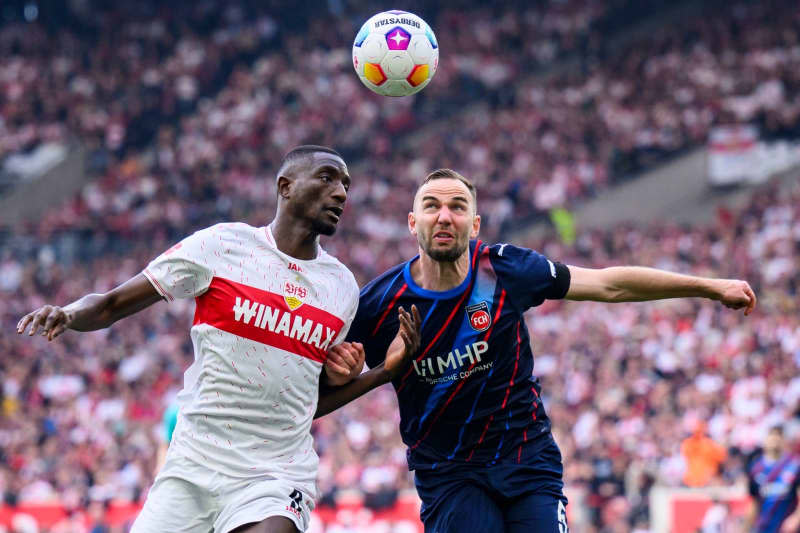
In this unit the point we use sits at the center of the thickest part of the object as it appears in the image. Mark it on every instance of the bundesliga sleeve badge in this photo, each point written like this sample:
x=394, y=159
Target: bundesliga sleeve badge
x=479, y=317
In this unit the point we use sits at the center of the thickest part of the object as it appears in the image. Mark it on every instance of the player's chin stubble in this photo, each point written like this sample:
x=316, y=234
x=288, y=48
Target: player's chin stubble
x=443, y=256
x=323, y=228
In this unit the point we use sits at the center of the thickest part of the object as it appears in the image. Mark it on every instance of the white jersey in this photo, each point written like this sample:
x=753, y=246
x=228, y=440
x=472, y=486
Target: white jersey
x=262, y=327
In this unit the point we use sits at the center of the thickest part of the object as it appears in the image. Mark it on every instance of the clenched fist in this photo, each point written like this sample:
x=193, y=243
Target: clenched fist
x=345, y=362
x=736, y=294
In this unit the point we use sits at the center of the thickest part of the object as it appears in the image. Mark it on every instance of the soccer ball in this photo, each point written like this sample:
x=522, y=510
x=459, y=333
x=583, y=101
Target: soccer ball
x=395, y=53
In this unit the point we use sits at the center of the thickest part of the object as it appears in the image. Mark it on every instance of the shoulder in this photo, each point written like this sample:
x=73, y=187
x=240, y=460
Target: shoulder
x=339, y=270
x=384, y=281
x=374, y=292
x=224, y=232
x=503, y=251
x=233, y=230
x=756, y=464
x=509, y=259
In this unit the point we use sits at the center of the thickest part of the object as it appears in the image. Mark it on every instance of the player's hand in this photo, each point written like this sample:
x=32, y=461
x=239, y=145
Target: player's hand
x=736, y=294
x=51, y=319
x=406, y=342
x=345, y=362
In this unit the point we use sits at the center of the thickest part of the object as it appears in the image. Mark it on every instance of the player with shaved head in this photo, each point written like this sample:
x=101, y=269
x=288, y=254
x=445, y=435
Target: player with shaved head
x=471, y=409
x=270, y=303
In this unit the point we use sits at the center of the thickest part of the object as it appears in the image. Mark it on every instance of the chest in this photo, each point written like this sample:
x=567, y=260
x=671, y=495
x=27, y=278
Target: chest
x=295, y=284
x=778, y=481
x=276, y=303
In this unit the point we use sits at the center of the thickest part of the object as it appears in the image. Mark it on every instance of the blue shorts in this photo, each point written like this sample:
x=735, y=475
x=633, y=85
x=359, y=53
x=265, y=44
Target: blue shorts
x=506, y=497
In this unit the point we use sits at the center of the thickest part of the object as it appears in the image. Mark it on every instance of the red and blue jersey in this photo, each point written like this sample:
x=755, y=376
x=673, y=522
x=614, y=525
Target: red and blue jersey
x=470, y=395
x=774, y=485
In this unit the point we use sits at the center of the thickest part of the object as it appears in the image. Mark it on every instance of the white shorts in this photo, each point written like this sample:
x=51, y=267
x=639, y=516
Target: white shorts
x=188, y=497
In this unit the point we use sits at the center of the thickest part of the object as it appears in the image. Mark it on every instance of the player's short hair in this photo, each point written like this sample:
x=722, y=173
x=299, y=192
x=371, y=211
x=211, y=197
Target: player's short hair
x=776, y=429
x=448, y=173
x=306, y=150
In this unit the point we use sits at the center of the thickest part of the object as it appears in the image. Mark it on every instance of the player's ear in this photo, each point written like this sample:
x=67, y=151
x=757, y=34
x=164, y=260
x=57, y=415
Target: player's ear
x=284, y=185
x=412, y=223
x=476, y=226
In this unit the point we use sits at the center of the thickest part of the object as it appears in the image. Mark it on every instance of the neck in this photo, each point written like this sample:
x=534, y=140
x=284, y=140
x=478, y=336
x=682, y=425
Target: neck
x=294, y=238
x=773, y=455
x=440, y=276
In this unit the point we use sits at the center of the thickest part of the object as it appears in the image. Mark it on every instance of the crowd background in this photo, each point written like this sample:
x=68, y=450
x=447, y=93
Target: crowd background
x=186, y=111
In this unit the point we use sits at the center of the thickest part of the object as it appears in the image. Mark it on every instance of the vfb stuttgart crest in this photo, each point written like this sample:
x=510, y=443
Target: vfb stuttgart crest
x=294, y=294
x=479, y=317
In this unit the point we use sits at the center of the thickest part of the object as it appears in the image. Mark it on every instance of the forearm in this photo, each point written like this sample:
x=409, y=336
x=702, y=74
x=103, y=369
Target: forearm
x=98, y=311
x=636, y=284
x=332, y=398
x=89, y=313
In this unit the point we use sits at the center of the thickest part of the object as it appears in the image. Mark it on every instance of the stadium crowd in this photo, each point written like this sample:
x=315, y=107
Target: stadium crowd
x=554, y=140
x=110, y=73
x=186, y=122
x=623, y=386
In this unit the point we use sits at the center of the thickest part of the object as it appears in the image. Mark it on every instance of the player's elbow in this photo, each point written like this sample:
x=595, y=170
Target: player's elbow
x=614, y=294
x=597, y=285
x=614, y=287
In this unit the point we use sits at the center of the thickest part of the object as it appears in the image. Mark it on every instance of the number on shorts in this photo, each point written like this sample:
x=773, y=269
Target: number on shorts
x=297, y=498
x=562, y=518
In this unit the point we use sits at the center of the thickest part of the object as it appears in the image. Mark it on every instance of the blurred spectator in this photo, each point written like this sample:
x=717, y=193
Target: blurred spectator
x=703, y=457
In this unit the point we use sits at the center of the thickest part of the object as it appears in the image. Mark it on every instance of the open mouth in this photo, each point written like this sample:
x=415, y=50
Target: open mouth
x=335, y=212
x=443, y=237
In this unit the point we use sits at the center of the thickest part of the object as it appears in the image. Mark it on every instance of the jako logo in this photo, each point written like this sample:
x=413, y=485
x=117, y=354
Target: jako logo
x=280, y=322
x=453, y=361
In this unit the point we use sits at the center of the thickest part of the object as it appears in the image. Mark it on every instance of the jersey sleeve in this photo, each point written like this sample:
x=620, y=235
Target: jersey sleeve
x=529, y=277
x=183, y=271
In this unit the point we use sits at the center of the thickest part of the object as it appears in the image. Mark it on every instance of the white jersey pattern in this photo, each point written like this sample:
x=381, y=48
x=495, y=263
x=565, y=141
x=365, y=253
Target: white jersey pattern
x=262, y=327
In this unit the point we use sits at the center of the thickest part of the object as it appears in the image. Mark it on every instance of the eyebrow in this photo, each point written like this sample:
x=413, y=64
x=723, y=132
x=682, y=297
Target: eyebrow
x=334, y=168
x=456, y=198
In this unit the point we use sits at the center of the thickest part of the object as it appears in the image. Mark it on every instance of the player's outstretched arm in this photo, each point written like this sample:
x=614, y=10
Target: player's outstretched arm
x=638, y=284
x=398, y=356
x=93, y=311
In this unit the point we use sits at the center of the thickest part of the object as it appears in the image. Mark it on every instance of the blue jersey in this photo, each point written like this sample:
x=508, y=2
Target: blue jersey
x=774, y=485
x=469, y=395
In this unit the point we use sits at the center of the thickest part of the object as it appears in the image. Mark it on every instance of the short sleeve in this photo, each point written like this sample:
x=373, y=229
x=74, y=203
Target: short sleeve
x=529, y=277
x=183, y=271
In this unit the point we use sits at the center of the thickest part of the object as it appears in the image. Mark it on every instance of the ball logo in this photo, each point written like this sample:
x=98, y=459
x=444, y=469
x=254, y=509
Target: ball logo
x=294, y=294
x=479, y=317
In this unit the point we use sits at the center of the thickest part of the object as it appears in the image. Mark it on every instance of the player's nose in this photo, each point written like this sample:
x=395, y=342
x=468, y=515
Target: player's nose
x=340, y=193
x=445, y=216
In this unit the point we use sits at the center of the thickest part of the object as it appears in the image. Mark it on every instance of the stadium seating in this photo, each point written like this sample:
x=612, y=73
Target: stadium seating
x=187, y=114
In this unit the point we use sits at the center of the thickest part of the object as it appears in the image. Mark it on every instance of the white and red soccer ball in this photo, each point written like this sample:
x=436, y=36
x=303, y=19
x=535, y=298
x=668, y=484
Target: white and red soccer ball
x=395, y=53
